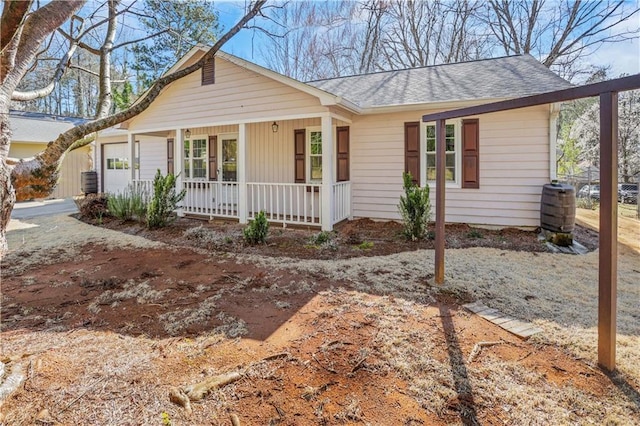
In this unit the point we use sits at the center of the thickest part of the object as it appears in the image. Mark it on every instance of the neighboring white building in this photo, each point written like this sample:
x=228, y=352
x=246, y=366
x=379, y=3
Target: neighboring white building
x=245, y=139
x=32, y=131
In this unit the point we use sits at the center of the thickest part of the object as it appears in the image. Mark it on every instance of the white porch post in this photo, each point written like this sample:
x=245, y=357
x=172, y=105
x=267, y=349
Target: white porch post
x=131, y=144
x=326, y=194
x=242, y=173
x=178, y=152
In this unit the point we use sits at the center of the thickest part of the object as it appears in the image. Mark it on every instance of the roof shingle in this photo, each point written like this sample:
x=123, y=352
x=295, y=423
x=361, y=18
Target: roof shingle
x=506, y=77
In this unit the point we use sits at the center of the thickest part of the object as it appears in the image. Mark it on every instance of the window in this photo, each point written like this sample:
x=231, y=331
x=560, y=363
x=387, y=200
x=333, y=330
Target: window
x=195, y=158
x=315, y=155
x=452, y=147
x=117, y=163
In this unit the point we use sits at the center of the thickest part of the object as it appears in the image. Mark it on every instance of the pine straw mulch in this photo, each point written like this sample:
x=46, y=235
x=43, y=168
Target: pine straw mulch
x=356, y=238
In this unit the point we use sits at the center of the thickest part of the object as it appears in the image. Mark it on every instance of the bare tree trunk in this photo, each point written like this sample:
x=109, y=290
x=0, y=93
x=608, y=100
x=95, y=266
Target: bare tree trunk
x=7, y=194
x=17, y=55
x=105, y=97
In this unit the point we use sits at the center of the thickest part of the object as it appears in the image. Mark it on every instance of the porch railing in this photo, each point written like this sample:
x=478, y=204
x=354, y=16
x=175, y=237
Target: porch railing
x=294, y=203
x=341, y=201
x=290, y=203
x=211, y=199
x=143, y=187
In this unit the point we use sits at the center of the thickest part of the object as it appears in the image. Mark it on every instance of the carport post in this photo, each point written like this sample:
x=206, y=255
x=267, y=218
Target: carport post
x=608, y=256
x=440, y=188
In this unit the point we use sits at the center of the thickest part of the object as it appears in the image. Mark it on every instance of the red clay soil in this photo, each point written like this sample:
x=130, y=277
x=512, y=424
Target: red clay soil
x=330, y=364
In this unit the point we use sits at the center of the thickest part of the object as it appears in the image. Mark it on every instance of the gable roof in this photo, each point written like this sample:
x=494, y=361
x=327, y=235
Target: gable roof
x=29, y=126
x=505, y=77
x=414, y=88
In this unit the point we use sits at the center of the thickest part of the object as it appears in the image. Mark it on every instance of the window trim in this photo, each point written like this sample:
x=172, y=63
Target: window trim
x=308, y=154
x=204, y=137
x=457, y=131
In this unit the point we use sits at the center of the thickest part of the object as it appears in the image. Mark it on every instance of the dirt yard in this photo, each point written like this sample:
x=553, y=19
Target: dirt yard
x=104, y=325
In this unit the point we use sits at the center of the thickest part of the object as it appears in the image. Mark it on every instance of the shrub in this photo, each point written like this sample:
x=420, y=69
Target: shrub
x=92, y=206
x=163, y=201
x=587, y=203
x=365, y=245
x=320, y=238
x=257, y=230
x=129, y=204
x=207, y=238
x=415, y=208
x=475, y=234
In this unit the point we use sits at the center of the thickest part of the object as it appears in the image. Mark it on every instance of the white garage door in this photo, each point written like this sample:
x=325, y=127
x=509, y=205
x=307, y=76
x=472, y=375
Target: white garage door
x=116, y=167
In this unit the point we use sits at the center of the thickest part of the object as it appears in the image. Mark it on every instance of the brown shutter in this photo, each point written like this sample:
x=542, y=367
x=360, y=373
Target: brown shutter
x=170, y=154
x=343, y=153
x=299, y=148
x=412, y=150
x=208, y=71
x=470, y=153
x=213, y=160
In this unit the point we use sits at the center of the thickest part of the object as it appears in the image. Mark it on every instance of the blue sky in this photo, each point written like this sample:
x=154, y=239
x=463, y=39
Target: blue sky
x=623, y=57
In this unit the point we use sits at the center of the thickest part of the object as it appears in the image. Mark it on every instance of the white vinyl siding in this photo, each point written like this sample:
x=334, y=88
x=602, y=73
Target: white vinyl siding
x=270, y=156
x=238, y=94
x=514, y=164
x=153, y=156
x=74, y=163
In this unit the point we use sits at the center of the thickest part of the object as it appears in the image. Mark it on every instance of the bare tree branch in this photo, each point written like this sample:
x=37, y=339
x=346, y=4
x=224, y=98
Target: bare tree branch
x=13, y=15
x=32, y=185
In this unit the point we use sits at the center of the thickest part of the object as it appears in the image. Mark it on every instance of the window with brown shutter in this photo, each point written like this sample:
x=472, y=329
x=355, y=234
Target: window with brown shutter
x=343, y=153
x=170, y=151
x=208, y=71
x=412, y=150
x=299, y=151
x=470, y=153
x=213, y=160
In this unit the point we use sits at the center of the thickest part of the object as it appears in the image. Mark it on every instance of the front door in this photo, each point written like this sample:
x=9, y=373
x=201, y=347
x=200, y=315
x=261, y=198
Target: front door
x=228, y=171
x=229, y=158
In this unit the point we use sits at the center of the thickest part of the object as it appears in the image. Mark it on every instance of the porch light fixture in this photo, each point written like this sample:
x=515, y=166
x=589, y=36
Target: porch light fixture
x=187, y=134
x=274, y=127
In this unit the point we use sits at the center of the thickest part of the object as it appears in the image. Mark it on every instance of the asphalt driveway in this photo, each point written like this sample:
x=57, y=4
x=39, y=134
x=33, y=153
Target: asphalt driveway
x=30, y=209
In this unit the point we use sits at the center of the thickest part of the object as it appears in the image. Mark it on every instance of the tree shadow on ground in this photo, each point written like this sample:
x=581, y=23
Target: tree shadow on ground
x=466, y=406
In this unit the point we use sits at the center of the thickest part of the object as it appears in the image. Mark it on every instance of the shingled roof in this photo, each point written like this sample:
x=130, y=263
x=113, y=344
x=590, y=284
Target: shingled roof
x=29, y=126
x=506, y=77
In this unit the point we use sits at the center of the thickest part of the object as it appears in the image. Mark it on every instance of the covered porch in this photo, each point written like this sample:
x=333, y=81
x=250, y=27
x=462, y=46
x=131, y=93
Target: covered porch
x=295, y=169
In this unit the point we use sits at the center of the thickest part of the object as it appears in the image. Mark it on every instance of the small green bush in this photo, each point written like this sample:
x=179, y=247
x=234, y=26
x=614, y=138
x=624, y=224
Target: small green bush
x=475, y=234
x=257, y=230
x=415, y=208
x=320, y=238
x=164, y=201
x=365, y=245
x=128, y=204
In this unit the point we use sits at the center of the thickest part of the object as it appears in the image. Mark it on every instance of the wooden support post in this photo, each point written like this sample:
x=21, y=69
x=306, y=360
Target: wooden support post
x=608, y=256
x=131, y=145
x=178, y=163
x=242, y=173
x=326, y=191
x=440, y=188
